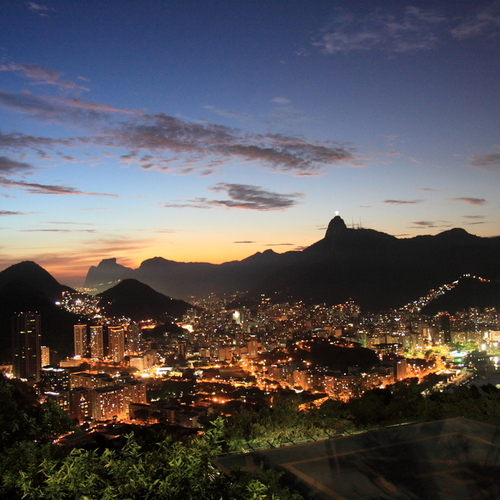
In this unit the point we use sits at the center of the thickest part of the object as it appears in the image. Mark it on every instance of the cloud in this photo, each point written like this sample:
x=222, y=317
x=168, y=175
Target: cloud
x=242, y=196
x=168, y=143
x=41, y=76
x=244, y=242
x=471, y=201
x=411, y=30
x=281, y=100
x=64, y=110
x=431, y=224
x=35, y=188
x=58, y=231
x=39, y=9
x=254, y=197
x=200, y=142
x=490, y=162
x=484, y=22
x=17, y=141
x=8, y=166
x=474, y=216
x=227, y=113
x=8, y=212
x=402, y=202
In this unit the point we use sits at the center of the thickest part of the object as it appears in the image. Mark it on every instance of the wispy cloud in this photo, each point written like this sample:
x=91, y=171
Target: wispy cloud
x=474, y=216
x=69, y=111
x=168, y=143
x=227, y=113
x=280, y=100
x=8, y=212
x=39, y=9
x=486, y=21
x=9, y=166
x=242, y=196
x=471, y=201
x=41, y=76
x=402, y=202
x=244, y=242
x=53, y=230
x=36, y=188
x=412, y=29
x=431, y=224
x=489, y=162
x=200, y=142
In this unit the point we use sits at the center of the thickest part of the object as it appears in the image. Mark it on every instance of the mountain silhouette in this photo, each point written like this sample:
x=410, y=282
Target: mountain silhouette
x=468, y=292
x=133, y=299
x=57, y=324
x=35, y=276
x=377, y=270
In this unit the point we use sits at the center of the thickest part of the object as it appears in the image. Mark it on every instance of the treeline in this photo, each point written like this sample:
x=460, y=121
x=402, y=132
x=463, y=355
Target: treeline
x=149, y=465
x=291, y=421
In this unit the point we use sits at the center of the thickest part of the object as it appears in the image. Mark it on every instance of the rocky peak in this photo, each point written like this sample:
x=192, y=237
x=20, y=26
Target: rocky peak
x=337, y=226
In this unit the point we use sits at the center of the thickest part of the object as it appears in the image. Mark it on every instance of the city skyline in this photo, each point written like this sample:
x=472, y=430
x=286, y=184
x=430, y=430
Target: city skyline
x=209, y=131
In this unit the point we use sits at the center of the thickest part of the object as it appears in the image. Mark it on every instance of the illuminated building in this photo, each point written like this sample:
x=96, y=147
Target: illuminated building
x=133, y=338
x=81, y=340
x=108, y=403
x=90, y=380
x=116, y=336
x=96, y=342
x=26, y=334
x=80, y=403
x=55, y=379
x=45, y=353
x=134, y=392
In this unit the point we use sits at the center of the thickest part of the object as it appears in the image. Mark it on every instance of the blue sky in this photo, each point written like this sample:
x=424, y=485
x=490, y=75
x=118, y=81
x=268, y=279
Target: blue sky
x=210, y=130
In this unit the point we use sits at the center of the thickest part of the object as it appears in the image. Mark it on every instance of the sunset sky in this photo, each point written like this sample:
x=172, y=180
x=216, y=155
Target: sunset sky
x=211, y=130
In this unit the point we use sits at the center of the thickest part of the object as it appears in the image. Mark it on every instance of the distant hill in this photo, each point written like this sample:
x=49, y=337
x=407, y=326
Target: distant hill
x=138, y=301
x=469, y=292
x=377, y=270
x=35, y=276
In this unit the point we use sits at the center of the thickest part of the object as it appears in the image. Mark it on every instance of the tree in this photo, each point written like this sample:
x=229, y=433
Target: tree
x=172, y=470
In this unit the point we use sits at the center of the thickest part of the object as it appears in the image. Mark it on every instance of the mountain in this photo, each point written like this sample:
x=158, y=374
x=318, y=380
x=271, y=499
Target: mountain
x=57, y=324
x=27, y=287
x=467, y=292
x=107, y=273
x=377, y=270
x=138, y=301
x=35, y=276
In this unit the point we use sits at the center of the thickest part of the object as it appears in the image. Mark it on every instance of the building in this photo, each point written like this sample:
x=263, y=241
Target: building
x=45, y=353
x=116, y=335
x=81, y=340
x=96, y=342
x=80, y=404
x=133, y=338
x=108, y=403
x=55, y=379
x=26, y=355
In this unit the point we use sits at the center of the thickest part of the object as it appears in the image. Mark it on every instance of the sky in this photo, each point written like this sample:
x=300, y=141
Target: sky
x=207, y=131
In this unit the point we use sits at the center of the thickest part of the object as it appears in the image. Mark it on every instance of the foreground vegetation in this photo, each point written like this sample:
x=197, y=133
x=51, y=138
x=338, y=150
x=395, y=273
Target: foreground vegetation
x=151, y=465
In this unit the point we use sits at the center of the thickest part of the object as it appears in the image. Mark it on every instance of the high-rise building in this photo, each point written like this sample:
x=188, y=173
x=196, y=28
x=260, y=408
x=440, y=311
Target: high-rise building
x=26, y=335
x=45, y=353
x=81, y=340
x=96, y=342
x=116, y=335
x=133, y=338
